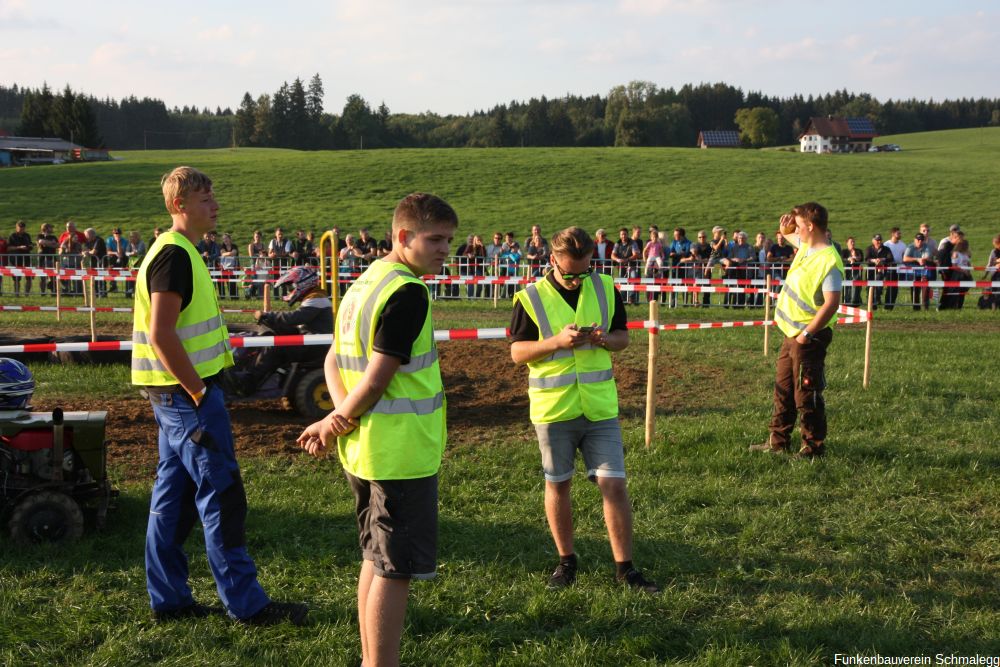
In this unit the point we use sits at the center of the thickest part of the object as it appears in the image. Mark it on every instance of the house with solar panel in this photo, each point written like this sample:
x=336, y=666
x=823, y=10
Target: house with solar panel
x=719, y=139
x=833, y=134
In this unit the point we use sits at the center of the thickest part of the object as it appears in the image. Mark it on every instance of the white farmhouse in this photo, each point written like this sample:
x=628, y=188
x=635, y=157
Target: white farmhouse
x=837, y=135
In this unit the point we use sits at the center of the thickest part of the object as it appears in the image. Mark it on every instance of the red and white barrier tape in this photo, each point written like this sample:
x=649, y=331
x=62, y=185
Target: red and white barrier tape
x=440, y=335
x=67, y=309
x=625, y=284
x=98, y=309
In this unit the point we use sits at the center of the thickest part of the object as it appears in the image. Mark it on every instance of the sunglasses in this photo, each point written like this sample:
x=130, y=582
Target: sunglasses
x=573, y=276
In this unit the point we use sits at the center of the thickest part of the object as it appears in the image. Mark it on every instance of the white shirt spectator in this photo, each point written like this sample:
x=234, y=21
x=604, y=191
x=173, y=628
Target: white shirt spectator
x=897, y=248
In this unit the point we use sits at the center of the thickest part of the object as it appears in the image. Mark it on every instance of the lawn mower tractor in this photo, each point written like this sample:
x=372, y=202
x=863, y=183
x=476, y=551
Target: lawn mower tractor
x=53, y=465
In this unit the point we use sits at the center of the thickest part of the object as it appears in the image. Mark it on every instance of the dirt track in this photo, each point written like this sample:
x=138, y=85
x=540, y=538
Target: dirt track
x=485, y=390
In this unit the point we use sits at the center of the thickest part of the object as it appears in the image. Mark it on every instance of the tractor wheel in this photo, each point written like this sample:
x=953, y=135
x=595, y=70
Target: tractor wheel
x=46, y=517
x=310, y=396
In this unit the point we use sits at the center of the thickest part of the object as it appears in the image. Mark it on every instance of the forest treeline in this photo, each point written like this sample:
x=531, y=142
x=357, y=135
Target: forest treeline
x=639, y=113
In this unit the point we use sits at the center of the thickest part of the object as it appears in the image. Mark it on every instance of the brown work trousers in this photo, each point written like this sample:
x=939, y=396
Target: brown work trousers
x=798, y=389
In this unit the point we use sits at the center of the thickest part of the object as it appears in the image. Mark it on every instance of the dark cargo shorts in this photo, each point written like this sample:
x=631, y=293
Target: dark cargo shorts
x=397, y=525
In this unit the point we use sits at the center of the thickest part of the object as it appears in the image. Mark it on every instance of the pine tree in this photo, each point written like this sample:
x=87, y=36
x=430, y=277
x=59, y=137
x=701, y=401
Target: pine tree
x=314, y=98
x=300, y=127
x=246, y=119
x=84, y=123
x=33, y=116
x=280, y=130
x=263, y=128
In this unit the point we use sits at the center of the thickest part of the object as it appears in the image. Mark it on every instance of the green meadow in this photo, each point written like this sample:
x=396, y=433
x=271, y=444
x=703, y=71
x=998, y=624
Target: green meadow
x=889, y=546
x=939, y=177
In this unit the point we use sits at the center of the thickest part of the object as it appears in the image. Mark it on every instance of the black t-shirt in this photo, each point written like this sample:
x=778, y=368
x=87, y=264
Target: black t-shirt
x=170, y=271
x=98, y=246
x=401, y=320
x=367, y=247
x=522, y=327
x=781, y=251
x=700, y=250
x=46, y=250
x=944, y=254
x=19, y=239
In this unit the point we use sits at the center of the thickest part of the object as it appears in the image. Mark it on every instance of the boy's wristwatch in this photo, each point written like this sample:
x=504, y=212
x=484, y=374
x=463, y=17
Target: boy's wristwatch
x=807, y=334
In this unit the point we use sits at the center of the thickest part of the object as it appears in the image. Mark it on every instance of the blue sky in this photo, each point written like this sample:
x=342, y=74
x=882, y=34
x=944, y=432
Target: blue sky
x=452, y=56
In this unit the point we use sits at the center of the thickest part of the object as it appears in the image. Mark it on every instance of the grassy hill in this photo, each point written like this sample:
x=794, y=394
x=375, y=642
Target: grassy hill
x=939, y=177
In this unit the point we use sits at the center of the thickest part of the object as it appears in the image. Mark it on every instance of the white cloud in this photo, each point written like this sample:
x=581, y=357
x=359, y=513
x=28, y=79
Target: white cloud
x=16, y=15
x=552, y=45
x=221, y=34
x=852, y=42
x=806, y=48
x=110, y=54
x=656, y=7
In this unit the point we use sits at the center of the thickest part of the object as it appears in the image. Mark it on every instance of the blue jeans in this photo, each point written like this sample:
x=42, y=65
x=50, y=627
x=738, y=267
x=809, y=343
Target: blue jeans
x=198, y=478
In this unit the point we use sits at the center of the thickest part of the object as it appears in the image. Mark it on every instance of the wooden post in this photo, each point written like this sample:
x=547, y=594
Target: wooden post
x=651, y=374
x=58, y=297
x=266, y=289
x=93, y=314
x=767, y=311
x=496, y=277
x=868, y=339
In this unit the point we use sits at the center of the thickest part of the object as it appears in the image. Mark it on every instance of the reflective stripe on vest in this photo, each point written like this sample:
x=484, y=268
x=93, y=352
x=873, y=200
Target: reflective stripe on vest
x=568, y=379
x=360, y=364
x=545, y=328
x=200, y=326
x=403, y=435
x=797, y=304
x=578, y=381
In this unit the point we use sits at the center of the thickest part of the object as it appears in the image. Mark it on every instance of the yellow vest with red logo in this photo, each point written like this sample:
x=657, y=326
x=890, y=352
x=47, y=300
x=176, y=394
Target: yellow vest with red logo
x=403, y=435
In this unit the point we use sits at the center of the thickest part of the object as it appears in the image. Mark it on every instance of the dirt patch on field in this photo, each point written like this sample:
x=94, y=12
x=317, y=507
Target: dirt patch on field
x=486, y=396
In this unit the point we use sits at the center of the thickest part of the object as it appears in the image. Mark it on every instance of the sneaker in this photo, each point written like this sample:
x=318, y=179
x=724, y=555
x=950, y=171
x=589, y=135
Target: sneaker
x=279, y=612
x=563, y=577
x=193, y=610
x=634, y=580
x=768, y=447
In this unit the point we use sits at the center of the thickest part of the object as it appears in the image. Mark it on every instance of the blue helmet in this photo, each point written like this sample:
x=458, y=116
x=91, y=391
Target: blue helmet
x=16, y=384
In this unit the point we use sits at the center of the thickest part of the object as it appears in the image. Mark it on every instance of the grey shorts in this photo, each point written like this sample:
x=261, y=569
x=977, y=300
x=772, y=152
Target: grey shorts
x=397, y=525
x=599, y=442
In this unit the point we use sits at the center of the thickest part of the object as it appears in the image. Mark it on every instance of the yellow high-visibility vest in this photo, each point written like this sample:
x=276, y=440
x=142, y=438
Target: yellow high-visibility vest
x=579, y=381
x=797, y=305
x=403, y=435
x=200, y=325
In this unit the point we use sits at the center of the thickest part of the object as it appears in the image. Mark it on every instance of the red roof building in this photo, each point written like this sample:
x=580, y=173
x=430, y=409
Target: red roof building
x=832, y=134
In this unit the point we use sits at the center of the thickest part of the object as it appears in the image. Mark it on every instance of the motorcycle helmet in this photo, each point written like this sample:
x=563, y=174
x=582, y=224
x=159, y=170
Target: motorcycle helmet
x=302, y=279
x=16, y=384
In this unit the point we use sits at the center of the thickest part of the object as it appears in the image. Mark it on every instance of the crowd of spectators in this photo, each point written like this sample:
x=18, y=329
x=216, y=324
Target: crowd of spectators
x=632, y=254
x=733, y=257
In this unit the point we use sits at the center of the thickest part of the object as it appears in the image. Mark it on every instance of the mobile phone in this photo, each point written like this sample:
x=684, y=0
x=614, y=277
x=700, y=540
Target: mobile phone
x=585, y=330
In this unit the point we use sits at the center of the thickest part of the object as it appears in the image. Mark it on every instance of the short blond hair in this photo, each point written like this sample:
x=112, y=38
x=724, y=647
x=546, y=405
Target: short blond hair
x=181, y=182
x=418, y=211
x=573, y=242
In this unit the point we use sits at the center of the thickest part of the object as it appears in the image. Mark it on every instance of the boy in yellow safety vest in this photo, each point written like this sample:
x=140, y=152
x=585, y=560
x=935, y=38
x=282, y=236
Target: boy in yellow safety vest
x=805, y=313
x=389, y=422
x=180, y=346
x=564, y=327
